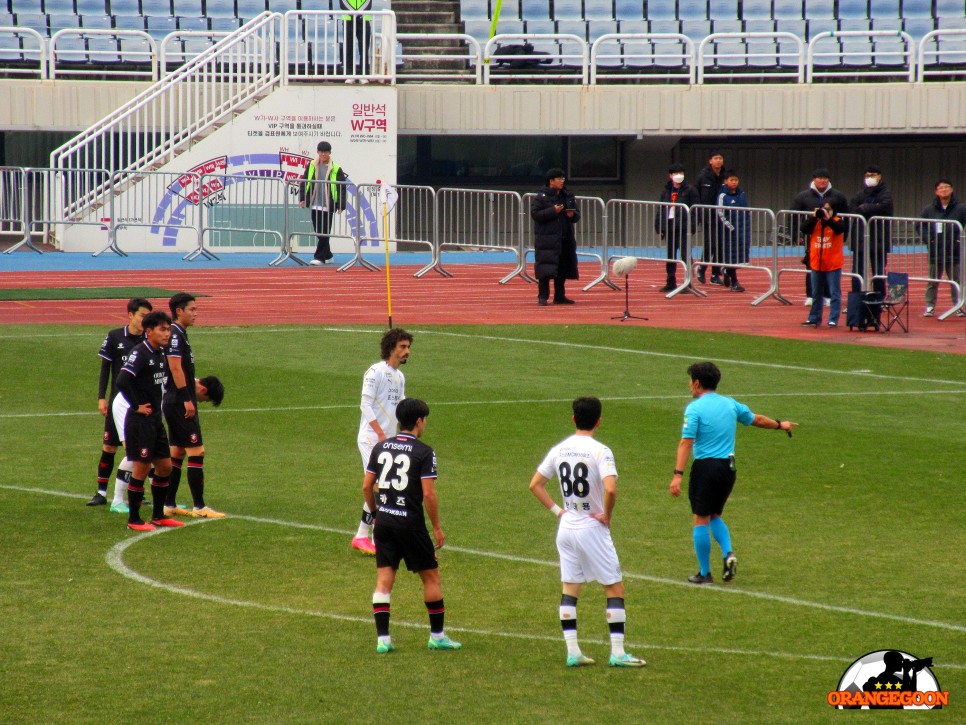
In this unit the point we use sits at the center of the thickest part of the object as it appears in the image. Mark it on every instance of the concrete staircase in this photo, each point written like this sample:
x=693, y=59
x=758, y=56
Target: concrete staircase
x=438, y=16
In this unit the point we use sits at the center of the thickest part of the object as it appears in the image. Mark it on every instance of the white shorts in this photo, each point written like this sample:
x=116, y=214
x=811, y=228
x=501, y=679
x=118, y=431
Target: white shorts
x=587, y=555
x=119, y=409
x=365, y=449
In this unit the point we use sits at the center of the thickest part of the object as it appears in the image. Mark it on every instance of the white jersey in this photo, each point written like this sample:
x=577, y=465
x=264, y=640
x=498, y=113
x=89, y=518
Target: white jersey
x=580, y=463
x=382, y=388
x=119, y=409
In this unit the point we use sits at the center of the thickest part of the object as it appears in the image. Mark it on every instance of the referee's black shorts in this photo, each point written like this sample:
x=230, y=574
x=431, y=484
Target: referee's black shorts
x=710, y=485
x=395, y=544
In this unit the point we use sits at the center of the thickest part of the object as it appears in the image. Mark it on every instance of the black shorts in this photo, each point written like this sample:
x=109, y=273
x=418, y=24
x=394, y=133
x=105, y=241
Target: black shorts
x=395, y=544
x=710, y=485
x=111, y=436
x=145, y=439
x=183, y=432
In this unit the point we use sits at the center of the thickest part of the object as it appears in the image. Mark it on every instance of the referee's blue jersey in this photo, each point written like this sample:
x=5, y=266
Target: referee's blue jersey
x=710, y=420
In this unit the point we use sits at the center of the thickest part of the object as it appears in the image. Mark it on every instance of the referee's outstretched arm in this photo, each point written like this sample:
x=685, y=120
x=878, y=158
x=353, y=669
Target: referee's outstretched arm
x=763, y=421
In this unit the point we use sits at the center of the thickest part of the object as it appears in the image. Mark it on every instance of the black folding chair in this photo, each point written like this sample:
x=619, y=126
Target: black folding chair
x=895, y=306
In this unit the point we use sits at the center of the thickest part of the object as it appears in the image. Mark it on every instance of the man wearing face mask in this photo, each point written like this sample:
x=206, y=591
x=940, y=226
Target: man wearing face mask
x=811, y=200
x=672, y=222
x=873, y=200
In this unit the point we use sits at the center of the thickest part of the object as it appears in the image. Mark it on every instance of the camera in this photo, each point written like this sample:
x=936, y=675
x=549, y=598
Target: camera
x=821, y=213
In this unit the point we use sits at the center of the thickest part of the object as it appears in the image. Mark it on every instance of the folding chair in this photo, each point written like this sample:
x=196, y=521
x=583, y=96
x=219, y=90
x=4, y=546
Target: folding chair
x=896, y=302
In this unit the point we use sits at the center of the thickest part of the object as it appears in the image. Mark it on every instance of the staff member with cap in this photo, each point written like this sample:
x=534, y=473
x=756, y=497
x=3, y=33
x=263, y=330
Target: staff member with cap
x=710, y=422
x=554, y=212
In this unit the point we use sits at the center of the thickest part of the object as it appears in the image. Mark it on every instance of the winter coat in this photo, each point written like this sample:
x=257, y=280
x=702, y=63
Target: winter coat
x=733, y=226
x=870, y=202
x=555, y=243
x=680, y=225
x=944, y=242
x=826, y=240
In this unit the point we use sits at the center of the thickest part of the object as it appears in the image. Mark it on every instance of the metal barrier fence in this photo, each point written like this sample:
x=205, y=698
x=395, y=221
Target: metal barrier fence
x=13, y=207
x=324, y=45
x=305, y=226
x=411, y=222
x=924, y=249
x=591, y=232
x=480, y=219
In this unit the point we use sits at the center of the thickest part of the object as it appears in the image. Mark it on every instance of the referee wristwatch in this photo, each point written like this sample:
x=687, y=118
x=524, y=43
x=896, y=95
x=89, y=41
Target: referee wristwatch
x=678, y=472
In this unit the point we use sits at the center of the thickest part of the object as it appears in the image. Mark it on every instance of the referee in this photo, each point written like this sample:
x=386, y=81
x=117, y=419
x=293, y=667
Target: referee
x=710, y=422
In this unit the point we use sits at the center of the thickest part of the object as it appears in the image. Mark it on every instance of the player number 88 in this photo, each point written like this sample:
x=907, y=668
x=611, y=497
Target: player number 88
x=573, y=482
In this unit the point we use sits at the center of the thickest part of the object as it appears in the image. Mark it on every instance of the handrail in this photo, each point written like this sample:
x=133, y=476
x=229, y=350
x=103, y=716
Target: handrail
x=166, y=56
x=41, y=50
x=938, y=36
x=148, y=57
x=907, y=54
x=778, y=37
x=475, y=55
x=491, y=53
x=153, y=127
x=687, y=56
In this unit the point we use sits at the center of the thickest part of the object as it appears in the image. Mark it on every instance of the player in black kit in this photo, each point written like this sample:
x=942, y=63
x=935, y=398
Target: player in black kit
x=181, y=413
x=400, y=482
x=141, y=381
x=113, y=354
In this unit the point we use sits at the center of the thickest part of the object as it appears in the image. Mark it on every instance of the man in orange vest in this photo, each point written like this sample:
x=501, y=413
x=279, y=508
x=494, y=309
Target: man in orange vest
x=826, y=237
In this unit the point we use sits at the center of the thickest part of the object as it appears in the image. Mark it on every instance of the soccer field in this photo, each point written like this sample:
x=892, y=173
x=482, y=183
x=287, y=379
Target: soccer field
x=850, y=535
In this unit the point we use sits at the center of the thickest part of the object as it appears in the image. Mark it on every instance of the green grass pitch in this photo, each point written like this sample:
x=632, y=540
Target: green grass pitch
x=850, y=536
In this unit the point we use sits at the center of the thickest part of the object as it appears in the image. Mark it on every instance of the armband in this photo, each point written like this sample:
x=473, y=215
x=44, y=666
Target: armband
x=555, y=510
x=678, y=472
x=183, y=395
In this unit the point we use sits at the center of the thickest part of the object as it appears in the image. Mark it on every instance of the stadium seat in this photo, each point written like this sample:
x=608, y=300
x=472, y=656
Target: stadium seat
x=220, y=10
x=159, y=27
x=540, y=27
x=573, y=27
x=816, y=26
x=35, y=21
x=248, y=9
x=71, y=49
x=97, y=22
x=476, y=10
x=568, y=10
x=756, y=10
x=192, y=24
x=156, y=8
x=127, y=8
x=535, y=10
x=661, y=11
x=863, y=24
x=765, y=25
x=856, y=52
x=888, y=51
x=61, y=7
x=697, y=30
x=189, y=8
x=723, y=10
x=62, y=22
x=819, y=10
x=598, y=10
x=910, y=9
x=6, y=20
x=509, y=10
x=103, y=50
x=129, y=22
x=91, y=7
x=224, y=25
x=665, y=26
x=10, y=50
x=284, y=6
x=950, y=9
x=853, y=10
x=951, y=23
x=597, y=28
x=692, y=10
x=628, y=10
x=918, y=27
x=727, y=26
x=788, y=10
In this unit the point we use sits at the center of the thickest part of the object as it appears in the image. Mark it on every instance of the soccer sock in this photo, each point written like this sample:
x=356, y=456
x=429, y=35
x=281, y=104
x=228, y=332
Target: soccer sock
x=159, y=486
x=135, y=495
x=436, y=614
x=104, y=468
x=616, y=616
x=719, y=530
x=174, y=480
x=120, y=482
x=365, y=523
x=568, y=622
x=196, y=480
x=380, y=612
x=702, y=547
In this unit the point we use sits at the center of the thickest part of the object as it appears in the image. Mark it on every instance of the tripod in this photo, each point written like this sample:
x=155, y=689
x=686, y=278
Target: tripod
x=624, y=267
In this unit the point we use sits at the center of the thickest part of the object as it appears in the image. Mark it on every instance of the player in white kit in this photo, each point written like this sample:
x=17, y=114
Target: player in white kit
x=588, y=483
x=383, y=386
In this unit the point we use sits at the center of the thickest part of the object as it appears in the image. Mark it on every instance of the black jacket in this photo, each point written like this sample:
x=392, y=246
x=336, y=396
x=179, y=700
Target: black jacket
x=686, y=195
x=555, y=243
x=870, y=202
x=943, y=244
x=709, y=183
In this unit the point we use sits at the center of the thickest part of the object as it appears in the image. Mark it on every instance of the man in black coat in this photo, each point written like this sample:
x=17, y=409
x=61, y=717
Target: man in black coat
x=554, y=213
x=811, y=200
x=709, y=184
x=874, y=199
x=942, y=238
x=672, y=223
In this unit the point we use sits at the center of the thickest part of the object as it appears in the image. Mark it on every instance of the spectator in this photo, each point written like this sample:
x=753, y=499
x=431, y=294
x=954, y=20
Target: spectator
x=709, y=184
x=734, y=229
x=672, y=223
x=810, y=200
x=944, y=242
x=554, y=213
x=323, y=191
x=873, y=200
x=826, y=239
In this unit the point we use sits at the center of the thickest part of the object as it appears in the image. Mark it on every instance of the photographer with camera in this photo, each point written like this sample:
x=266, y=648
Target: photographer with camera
x=554, y=213
x=817, y=193
x=825, y=231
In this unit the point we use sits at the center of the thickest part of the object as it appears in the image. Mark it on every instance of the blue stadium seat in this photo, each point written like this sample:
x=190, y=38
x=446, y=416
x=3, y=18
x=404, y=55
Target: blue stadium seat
x=599, y=10
x=103, y=49
x=97, y=22
x=760, y=26
x=224, y=25
x=634, y=26
x=129, y=22
x=951, y=23
x=158, y=27
x=476, y=10
x=91, y=7
x=950, y=9
x=597, y=28
x=220, y=10
x=248, y=9
x=189, y=8
x=756, y=10
x=853, y=10
x=662, y=10
x=788, y=10
x=628, y=10
x=128, y=8
x=10, y=49
x=62, y=22
x=61, y=7
x=540, y=27
x=283, y=6
x=863, y=24
x=894, y=24
x=573, y=27
x=817, y=26
x=697, y=30
x=819, y=9
x=568, y=10
x=192, y=24
x=665, y=26
x=36, y=21
x=535, y=9
x=910, y=8
x=71, y=49
x=6, y=20
x=509, y=10
x=723, y=10
x=918, y=27
x=692, y=10
x=727, y=26
x=134, y=50
x=156, y=8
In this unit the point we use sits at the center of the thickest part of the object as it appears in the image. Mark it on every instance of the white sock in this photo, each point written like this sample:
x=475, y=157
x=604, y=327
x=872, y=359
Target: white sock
x=120, y=483
x=364, y=528
x=615, y=616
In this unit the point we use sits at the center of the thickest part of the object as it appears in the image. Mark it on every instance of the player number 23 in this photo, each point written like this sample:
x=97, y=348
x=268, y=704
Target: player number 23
x=573, y=482
x=398, y=466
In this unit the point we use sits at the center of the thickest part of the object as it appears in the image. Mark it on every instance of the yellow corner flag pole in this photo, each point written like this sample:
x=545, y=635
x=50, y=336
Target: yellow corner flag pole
x=388, y=198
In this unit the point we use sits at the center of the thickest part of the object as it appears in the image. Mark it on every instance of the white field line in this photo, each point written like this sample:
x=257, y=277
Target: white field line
x=114, y=559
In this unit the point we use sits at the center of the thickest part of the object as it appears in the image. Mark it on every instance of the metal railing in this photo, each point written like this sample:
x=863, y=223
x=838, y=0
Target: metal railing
x=941, y=53
x=557, y=56
x=127, y=54
x=728, y=56
x=31, y=47
x=466, y=50
x=178, y=48
x=863, y=53
x=642, y=56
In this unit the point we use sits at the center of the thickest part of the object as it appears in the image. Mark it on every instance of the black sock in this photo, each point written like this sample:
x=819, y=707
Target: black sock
x=380, y=611
x=367, y=517
x=174, y=480
x=196, y=480
x=436, y=614
x=159, y=486
x=135, y=495
x=104, y=468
